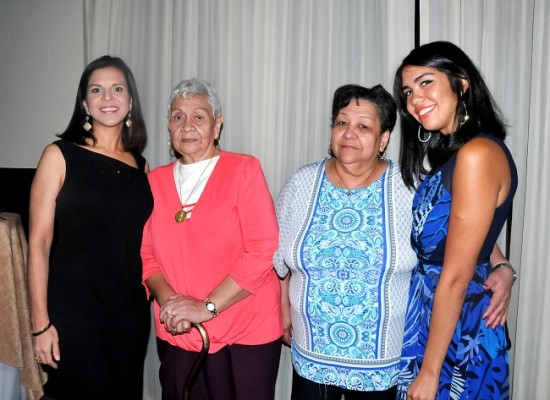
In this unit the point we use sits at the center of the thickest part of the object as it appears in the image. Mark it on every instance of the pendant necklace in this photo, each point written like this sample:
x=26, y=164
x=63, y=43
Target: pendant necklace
x=181, y=215
x=349, y=193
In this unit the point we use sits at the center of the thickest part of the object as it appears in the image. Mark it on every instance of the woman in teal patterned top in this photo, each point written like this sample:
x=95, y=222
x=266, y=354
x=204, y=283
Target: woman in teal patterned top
x=345, y=238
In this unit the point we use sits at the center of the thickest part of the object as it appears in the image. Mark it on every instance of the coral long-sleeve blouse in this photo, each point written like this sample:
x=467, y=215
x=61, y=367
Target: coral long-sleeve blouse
x=233, y=231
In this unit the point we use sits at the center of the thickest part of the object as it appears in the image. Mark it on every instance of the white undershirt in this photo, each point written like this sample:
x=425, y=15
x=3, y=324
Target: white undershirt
x=192, y=177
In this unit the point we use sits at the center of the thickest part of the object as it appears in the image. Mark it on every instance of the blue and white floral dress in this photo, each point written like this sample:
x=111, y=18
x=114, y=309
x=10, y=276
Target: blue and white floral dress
x=476, y=364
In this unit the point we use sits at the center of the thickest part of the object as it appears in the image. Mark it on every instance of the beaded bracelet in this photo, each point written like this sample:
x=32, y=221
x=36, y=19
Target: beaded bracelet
x=41, y=331
x=507, y=265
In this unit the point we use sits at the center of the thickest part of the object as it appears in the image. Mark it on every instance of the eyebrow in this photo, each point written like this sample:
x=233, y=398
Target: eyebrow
x=194, y=109
x=418, y=78
x=360, y=116
x=114, y=84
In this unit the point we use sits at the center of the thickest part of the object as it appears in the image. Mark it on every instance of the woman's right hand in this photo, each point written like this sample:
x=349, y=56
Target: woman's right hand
x=287, y=324
x=46, y=346
x=285, y=310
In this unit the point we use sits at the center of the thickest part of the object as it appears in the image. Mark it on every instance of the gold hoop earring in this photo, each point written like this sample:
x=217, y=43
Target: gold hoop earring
x=423, y=139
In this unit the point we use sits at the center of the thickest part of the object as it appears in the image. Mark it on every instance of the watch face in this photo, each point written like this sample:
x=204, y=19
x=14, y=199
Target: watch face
x=210, y=307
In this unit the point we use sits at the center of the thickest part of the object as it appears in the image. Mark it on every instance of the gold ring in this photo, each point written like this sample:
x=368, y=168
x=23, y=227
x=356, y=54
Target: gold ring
x=37, y=358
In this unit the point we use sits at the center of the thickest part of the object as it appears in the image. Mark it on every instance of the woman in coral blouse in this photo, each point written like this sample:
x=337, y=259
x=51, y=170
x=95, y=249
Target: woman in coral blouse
x=207, y=258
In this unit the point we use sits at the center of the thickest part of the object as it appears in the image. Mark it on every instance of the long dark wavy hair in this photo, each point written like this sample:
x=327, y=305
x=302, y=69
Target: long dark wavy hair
x=134, y=138
x=476, y=101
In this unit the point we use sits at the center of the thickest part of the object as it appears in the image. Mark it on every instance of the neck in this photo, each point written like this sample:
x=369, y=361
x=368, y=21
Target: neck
x=110, y=140
x=353, y=177
x=191, y=159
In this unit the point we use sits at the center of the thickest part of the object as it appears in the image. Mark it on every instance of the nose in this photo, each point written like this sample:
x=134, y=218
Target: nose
x=186, y=125
x=349, y=133
x=416, y=98
x=107, y=95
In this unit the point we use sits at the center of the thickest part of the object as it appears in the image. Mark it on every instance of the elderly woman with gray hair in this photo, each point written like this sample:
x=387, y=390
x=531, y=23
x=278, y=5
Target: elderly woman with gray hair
x=207, y=258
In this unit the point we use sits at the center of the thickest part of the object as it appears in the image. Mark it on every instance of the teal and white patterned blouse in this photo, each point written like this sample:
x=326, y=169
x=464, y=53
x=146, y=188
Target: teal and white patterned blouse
x=351, y=260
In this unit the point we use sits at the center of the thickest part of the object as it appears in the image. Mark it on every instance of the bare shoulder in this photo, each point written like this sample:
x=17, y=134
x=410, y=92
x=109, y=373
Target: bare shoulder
x=52, y=154
x=51, y=167
x=481, y=150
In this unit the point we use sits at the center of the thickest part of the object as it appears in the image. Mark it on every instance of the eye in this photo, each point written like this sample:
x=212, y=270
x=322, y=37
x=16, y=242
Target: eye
x=407, y=92
x=426, y=82
x=340, y=123
x=364, y=127
x=200, y=117
x=94, y=90
x=119, y=89
x=176, y=117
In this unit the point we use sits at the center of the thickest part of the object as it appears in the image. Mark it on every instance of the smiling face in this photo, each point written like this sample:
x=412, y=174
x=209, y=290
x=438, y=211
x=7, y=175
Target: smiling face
x=107, y=98
x=193, y=128
x=430, y=98
x=356, y=136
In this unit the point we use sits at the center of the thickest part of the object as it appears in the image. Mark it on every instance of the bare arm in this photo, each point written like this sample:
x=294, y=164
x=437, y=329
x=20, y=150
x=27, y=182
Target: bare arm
x=475, y=198
x=46, y=185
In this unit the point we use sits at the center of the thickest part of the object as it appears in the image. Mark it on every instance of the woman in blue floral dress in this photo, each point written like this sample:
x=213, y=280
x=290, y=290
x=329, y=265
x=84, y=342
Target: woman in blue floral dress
x=449, y=119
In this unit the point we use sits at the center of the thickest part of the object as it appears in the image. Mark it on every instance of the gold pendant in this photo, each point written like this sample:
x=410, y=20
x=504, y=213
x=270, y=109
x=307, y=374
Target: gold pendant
x=181, y=216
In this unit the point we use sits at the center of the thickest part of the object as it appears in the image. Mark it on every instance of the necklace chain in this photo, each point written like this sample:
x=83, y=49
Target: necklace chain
x=181, y=215
x=360, y=183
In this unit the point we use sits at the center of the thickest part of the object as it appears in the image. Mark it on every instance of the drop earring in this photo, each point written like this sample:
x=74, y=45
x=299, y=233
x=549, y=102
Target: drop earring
x=172, y=151
x=128, y=122
x=423, y=139
x=87, y=126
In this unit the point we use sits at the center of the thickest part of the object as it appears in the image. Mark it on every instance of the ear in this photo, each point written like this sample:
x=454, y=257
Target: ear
x=130, y=109
x=385, y=140
x=218, y=127
x=465, y=84
x=85, y=106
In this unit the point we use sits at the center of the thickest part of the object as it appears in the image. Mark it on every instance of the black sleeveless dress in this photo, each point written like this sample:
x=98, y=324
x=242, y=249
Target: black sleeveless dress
x=95, y=296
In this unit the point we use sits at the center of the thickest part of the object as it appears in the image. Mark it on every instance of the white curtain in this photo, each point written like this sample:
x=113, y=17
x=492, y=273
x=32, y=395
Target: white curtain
x=532, y=365
x=509, y=42
x=275, y=65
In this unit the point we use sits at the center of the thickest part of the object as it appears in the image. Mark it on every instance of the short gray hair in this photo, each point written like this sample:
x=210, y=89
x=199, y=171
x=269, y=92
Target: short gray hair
x=197, y=86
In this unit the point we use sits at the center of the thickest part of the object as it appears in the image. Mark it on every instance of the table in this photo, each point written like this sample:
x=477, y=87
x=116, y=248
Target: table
x=15, y=324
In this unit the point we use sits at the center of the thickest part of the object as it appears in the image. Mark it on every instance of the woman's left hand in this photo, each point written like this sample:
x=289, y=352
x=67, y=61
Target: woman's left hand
x=180, y=311
x=424, y=387
x=500, y=282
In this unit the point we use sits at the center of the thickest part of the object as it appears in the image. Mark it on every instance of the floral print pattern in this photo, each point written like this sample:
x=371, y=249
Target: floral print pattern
x=476, y=364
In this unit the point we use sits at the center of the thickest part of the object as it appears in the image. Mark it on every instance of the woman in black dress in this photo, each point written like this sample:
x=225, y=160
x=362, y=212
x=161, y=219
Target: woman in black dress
x=89, y=201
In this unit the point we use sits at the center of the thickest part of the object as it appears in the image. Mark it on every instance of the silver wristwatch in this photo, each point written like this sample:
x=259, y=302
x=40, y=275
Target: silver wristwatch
x=211, y=307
